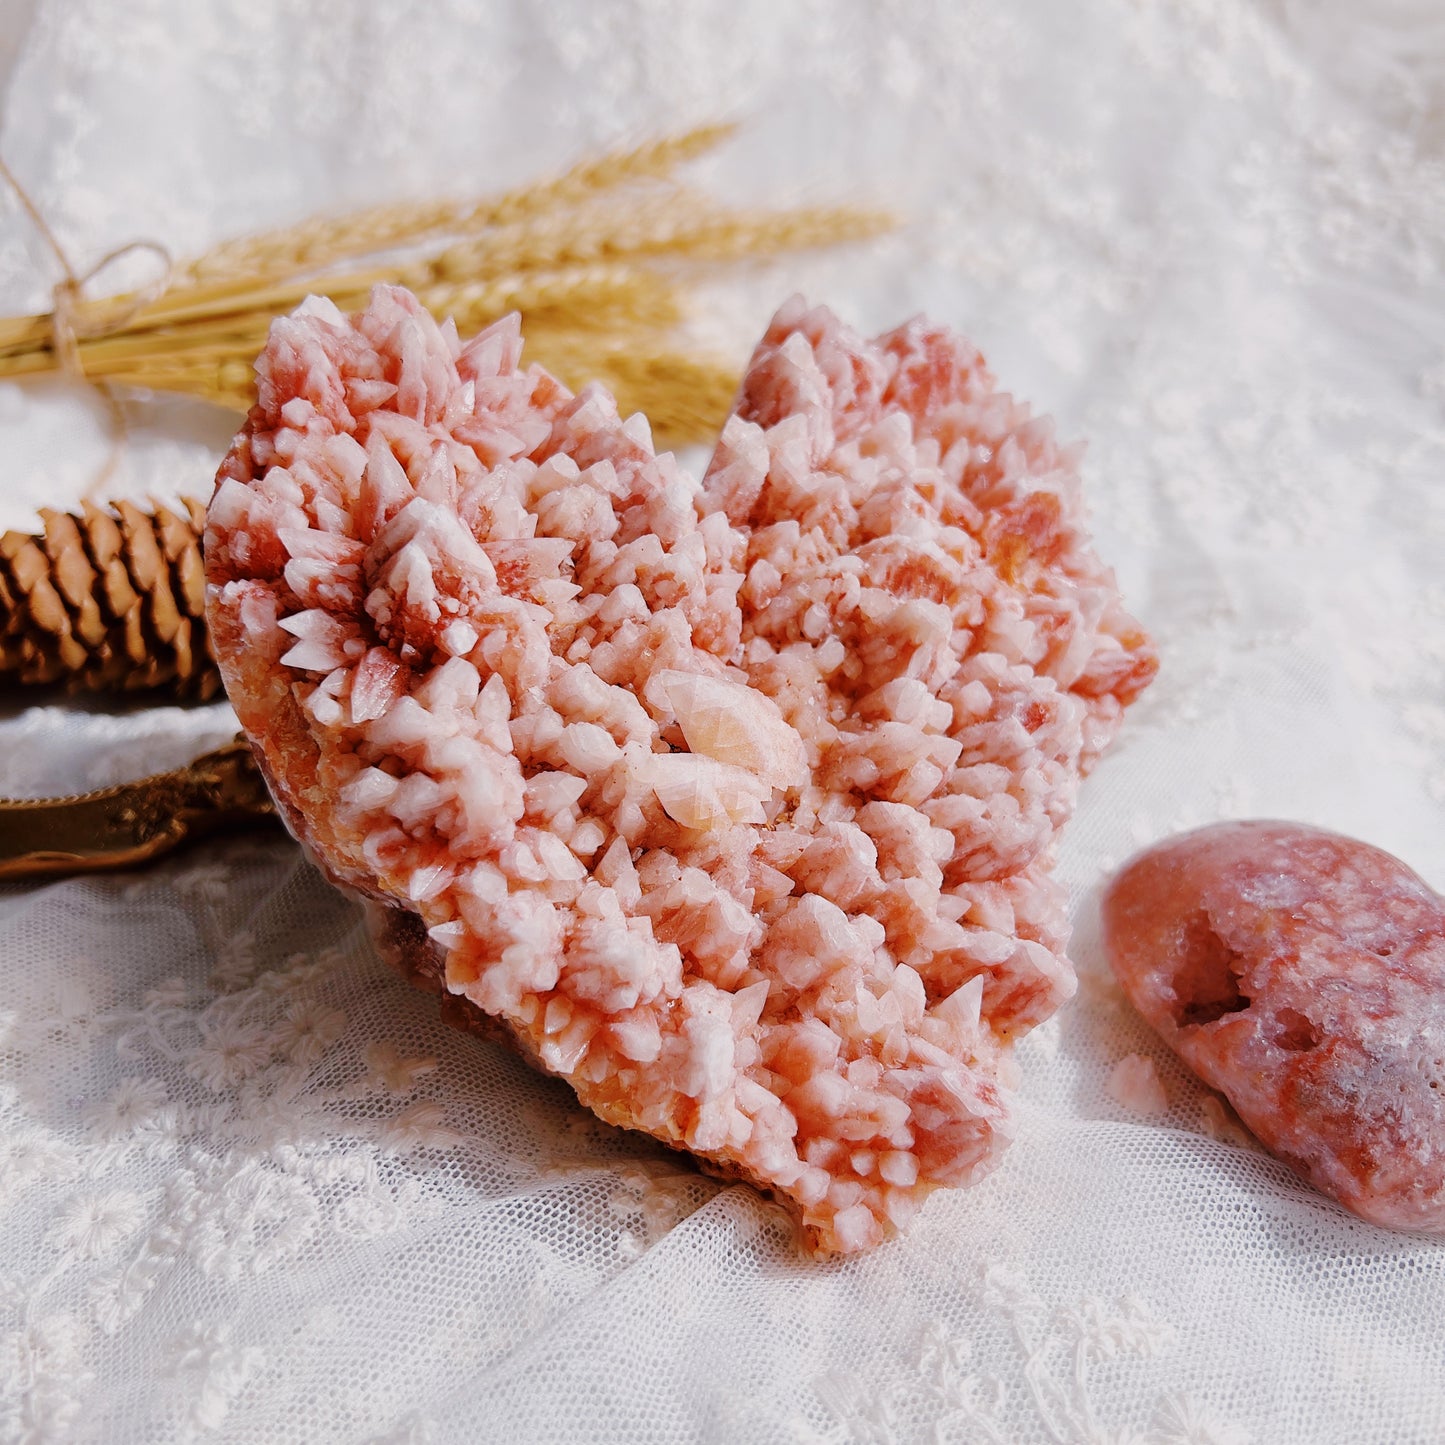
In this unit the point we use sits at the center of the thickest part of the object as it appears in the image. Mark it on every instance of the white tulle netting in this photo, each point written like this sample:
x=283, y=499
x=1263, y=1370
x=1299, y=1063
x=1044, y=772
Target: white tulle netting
x=252, y=1189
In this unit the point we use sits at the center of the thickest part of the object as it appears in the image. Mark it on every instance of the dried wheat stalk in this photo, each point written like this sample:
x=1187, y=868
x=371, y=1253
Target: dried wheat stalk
x=323, y=241
x=593, y=256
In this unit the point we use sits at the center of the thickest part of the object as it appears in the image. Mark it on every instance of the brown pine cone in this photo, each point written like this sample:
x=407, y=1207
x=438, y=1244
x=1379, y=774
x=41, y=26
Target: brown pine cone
x=109, y=599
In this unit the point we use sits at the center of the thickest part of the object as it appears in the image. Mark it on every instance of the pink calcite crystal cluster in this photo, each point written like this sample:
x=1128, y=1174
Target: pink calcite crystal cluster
x=1301, y=973
x=732, y=804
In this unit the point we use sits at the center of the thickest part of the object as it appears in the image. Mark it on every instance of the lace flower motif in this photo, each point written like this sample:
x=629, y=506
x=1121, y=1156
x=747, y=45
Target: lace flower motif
x=391, y=1072
x=214, y=1370
x=135, y=1107
x=31, y=1154
x=1182, y=1420
x=92, y=1225
x=308, y=1030
x=228, y=1055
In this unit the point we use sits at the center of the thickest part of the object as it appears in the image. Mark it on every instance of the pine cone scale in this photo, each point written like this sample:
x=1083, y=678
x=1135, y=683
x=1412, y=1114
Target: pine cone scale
x=74, y=577
x=108, y=599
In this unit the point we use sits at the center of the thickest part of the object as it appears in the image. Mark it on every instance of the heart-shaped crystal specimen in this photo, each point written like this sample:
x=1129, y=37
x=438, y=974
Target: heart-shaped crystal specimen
x=731, y=804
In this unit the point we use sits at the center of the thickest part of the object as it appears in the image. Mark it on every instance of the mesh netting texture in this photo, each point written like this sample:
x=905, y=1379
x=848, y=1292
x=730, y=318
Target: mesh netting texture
x=252, y=1153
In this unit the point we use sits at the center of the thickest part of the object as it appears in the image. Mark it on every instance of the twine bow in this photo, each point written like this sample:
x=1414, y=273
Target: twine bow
x=69, y=325
x=68, y=328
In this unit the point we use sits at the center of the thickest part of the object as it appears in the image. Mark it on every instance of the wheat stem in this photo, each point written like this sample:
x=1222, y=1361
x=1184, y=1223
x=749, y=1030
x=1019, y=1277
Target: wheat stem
x=324, y=240
x=596, y=260
x=250, y=272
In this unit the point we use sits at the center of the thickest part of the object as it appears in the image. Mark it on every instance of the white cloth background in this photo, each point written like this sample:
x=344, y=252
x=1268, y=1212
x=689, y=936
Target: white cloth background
x=251, y=1189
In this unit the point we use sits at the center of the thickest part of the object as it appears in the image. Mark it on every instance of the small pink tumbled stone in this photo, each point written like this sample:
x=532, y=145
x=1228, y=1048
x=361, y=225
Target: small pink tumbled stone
x=1302, y=974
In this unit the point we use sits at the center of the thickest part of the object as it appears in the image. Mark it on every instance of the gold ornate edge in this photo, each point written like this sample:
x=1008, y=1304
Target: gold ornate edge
x=132, y=823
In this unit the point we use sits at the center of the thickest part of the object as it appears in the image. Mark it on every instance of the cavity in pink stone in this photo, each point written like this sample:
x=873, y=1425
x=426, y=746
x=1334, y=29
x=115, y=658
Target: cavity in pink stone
x=732, y=805
x=1302, y=974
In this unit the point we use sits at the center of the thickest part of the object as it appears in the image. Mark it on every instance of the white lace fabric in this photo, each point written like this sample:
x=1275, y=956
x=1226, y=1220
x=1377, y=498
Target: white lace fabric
x=251, y=1187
